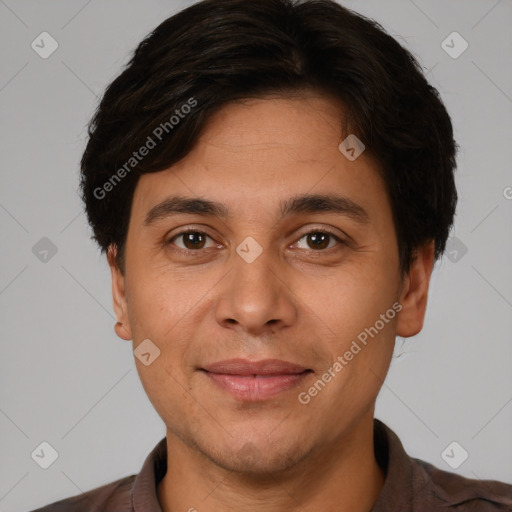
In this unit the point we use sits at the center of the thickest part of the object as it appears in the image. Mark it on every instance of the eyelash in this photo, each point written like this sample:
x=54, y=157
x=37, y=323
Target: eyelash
x=313, y=231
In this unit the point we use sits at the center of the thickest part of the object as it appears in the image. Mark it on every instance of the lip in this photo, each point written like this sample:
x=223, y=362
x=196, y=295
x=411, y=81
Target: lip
x=244, y=367
x=255, y=380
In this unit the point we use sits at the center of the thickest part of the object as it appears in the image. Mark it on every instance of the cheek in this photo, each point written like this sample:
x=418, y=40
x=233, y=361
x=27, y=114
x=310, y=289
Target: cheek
x=157, y=301
x=167, y=309
x=349, y=300
x=158, y=312
x=166, y=390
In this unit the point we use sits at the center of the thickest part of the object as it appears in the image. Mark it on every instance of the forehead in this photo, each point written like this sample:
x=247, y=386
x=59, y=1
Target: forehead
x=273, y=130
x=262, y=151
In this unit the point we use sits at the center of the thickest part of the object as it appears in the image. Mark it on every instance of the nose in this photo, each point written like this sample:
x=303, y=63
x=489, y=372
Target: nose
x=256, y=297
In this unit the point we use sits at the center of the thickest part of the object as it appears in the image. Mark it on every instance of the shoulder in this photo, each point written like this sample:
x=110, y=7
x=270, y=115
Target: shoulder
x=414, y=484
x=466, y=494
x=112, y=497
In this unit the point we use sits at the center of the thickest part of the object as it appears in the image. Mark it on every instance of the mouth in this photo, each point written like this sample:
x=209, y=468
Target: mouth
x=255, y=380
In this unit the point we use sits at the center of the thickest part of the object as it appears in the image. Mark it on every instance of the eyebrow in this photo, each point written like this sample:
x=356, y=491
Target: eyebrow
x=306, y=203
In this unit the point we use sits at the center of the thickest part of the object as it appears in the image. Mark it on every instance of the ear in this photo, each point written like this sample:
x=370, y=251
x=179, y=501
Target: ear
x=122, y=328
x=414, y=293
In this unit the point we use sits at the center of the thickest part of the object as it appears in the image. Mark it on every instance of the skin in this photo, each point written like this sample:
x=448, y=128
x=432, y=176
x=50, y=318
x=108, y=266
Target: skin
x=295, y=302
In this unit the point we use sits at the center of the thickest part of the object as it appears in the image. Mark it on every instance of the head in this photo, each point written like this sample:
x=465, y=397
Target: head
x=235, y=227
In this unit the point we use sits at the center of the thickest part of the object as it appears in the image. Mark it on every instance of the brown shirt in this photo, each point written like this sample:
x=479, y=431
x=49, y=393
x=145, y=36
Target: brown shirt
x=411, y=485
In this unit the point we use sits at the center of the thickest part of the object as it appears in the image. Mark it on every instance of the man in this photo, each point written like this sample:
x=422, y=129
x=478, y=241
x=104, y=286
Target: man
x=272, y=183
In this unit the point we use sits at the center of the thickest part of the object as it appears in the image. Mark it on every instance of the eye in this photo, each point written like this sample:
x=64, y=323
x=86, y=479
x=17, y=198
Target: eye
x=192, y=240
x=320, y=240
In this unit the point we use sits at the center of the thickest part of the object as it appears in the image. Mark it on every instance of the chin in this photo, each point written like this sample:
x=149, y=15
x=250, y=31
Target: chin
x=259, y=459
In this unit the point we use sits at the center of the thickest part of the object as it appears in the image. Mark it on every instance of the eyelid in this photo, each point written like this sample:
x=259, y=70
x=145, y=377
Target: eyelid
x=200, y=228
x=325, y=229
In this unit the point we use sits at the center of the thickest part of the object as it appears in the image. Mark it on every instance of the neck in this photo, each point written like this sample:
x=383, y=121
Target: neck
x=343, y=475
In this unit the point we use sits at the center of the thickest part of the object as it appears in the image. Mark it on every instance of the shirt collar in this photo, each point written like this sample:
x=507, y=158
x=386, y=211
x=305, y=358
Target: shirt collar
x=405, y=480
x=144, y=491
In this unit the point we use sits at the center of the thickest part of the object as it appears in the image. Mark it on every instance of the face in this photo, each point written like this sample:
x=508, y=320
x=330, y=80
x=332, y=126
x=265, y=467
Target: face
x=294, y=260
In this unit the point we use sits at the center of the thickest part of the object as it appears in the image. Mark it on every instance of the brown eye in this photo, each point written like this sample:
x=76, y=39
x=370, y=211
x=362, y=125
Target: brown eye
x=319, y=240
x=191, y=240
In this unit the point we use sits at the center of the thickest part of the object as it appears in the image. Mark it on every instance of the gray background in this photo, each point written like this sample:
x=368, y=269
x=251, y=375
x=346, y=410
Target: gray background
x=65, y=376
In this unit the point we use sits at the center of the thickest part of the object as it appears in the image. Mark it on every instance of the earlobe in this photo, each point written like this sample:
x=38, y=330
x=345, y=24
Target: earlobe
x=415, y=292
x=122, y=327
x=122, y=331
